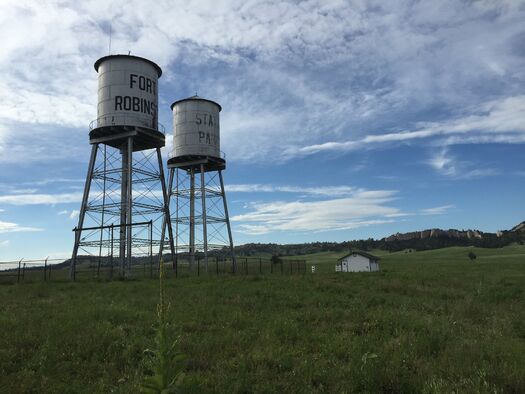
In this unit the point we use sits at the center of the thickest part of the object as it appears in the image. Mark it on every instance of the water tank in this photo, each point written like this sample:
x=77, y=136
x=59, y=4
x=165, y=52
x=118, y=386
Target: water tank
x=127, y=92
x=196, y=129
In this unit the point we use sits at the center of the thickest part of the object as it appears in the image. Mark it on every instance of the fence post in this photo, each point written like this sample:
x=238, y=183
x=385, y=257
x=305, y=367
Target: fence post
x=45, y=269
x=260, y=266
x=246, y=265
x=23, y=271
x=19, y=266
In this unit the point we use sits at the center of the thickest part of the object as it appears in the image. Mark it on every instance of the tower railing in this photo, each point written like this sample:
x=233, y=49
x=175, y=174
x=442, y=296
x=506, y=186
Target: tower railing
x=126, y=120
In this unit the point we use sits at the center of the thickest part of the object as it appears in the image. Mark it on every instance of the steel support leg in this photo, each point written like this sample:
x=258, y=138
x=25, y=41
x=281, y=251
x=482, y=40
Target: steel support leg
x=234, y=262
x=204, y=228
x=123, y=209
x=78, y=232
x=129, y=203
x=167, y=217
x=103, y=211
x=176, y=171
x=192, y=218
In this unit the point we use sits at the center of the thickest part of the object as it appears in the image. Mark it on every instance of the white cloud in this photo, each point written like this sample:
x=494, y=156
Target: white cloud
x=447, y=165
x=50, y=181
x=437, y=210
x=335, y=191
x=443, y=162
x=74, y=214
x=7, y=227
x=293, y=79
x=4, y=244
x=364, y=208
x=498, y=122
x=38, y=199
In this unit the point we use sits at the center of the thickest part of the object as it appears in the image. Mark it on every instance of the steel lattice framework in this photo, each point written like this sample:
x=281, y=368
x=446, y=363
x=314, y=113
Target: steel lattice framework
x=199, y=213
x=124, y=207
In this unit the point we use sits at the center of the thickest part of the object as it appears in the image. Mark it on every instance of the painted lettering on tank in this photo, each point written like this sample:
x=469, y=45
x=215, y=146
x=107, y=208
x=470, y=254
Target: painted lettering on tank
x=208, y=138
x=204, y=119
x=136, y=103
x=140, y=82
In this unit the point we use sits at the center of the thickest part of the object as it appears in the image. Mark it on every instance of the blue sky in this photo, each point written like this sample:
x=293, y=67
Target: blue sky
x=341, y=119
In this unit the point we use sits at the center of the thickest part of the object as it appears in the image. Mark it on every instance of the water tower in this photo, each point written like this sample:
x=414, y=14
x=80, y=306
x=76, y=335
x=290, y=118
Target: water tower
x=125, y=201
x=195, y=175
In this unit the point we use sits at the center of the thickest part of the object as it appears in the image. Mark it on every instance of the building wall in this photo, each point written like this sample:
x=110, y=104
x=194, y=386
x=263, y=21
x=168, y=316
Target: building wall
x=355, y=263
x=374, y=266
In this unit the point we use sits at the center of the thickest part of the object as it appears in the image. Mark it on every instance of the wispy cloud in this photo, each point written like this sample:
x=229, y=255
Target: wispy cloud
x=7, y=227
x=322, y=76
x=335, y=191
x=51, y=181
x=73, y=214
x=448, y=165
x=494, y=122
x=437, y=210
x=40, y=199
x=443, y=163
x=364, y=208
x=4, y=243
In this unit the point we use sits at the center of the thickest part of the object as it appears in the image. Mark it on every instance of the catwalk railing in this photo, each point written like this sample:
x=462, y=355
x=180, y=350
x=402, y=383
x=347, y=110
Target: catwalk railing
x=89, y=268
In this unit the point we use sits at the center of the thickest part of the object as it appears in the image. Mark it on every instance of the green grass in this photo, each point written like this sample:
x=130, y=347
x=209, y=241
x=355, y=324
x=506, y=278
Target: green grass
x=428, y=322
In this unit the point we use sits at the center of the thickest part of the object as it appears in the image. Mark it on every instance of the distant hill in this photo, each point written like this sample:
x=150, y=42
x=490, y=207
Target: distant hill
x=460, y=235
x=437, y=233
x=417, y=240
x=520, y=228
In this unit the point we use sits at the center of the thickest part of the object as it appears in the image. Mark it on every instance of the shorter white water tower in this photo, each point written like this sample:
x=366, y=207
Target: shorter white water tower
x=196, y=128
x=195, y=173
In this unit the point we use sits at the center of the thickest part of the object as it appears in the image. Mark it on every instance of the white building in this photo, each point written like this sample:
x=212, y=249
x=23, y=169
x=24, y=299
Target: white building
x=358, y=261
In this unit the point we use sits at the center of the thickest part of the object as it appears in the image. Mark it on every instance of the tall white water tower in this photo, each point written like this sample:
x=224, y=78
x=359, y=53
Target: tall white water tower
x=121, y=215
x=195, y=174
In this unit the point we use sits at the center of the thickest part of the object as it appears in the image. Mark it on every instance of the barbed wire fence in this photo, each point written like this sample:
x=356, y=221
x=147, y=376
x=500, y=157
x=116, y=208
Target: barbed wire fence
x=54, y=269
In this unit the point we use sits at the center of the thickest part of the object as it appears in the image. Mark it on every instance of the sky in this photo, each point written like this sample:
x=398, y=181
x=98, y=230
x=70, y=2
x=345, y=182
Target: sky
x=341, y=120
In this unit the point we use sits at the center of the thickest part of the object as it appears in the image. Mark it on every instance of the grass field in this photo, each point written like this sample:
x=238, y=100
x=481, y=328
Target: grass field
x=428, y=322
